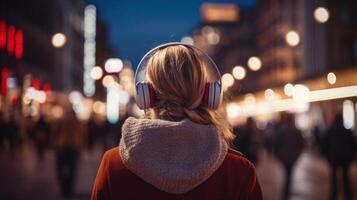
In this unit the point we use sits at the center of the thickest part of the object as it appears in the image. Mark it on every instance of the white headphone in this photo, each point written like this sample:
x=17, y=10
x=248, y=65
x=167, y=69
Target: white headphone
x=146, y=96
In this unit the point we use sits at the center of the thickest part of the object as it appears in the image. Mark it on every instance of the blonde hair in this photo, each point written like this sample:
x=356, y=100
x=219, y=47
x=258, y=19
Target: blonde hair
x=178, y=77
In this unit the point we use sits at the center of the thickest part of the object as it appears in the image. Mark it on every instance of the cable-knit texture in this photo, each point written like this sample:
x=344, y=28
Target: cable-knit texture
x=172, y=156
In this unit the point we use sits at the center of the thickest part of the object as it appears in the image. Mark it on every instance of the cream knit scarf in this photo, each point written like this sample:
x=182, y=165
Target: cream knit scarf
x=172, y=156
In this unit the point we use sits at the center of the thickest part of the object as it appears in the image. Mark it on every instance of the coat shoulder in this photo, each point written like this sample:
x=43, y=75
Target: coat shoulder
x=237, y=159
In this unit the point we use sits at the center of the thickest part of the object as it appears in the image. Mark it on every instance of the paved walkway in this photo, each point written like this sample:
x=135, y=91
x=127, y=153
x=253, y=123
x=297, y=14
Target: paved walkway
x=25, y=178
x=311, y=178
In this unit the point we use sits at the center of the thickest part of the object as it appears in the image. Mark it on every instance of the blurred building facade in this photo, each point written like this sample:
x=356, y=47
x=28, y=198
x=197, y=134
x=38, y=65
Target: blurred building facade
x=310, y=43
x=39, y=21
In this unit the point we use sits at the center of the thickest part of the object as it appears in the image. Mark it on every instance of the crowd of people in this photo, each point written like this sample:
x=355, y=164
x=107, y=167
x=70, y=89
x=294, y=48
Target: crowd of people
x=286, y=143
x=66, y=137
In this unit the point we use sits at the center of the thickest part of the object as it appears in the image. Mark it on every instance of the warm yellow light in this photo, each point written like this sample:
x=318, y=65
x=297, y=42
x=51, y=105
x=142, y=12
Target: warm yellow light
x=269, y=94
x=96, y=73
x=238, y=72
x=58, y=40
x=301, y=93
x=233, y=110
x=213, y=38
x=333, y=93
x=254, y=63
x=99, y=107
x=321, y=15
x=331, y=78
x=57, y=111
x=292, y=38
x=249, y=99
x=107, y=80
x=227, y=80
x=288, y=89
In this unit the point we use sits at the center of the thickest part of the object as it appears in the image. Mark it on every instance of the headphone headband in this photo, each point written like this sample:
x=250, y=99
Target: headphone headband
x=213, y=72
x=145, y=94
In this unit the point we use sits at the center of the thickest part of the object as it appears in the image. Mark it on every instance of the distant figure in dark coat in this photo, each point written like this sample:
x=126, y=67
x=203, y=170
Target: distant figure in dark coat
x=247, y=141
x=42, y=137
x=289, y=145
x=339, y=147
x=69, y=140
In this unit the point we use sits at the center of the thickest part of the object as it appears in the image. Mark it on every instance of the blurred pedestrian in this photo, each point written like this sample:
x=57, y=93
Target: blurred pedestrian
x=288, y=146
x=69, y=140
x=2, y=131
x=180, y=151
x=269, y=137
x=339, y=147
x=246, y=140
x=42, y=135
x=92, y=132
x=12, y=133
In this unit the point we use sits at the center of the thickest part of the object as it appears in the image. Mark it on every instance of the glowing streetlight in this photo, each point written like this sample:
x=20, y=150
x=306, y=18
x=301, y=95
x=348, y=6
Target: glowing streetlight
x=59, y=40
x=321, y=15
x=96, y=73
x=107, y=80
x=254, y=63
x=331, y=78
x=301, y=93
x=233, y=110
x=99, y=107
x=289, y=89
x=269, y=94
x=292, y=38
x=238, y=72
x=227, y=80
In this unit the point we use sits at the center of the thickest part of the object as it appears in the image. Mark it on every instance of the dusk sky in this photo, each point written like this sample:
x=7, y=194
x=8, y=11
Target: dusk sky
x=136, y=26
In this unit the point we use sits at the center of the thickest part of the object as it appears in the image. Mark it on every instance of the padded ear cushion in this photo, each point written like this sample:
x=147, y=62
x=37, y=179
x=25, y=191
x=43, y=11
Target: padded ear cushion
x=145, y=95
x=213, y=95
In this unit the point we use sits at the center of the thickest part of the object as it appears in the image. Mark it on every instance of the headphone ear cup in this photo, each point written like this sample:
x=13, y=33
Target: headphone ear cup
x=145, y=95
x=212, y=97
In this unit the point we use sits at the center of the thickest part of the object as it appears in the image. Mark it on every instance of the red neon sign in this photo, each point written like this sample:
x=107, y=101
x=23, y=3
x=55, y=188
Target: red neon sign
x=47, y=87
x=11, y=39
x=4, y=76
x=2, y=34
x=19, y=44
x=36, y=83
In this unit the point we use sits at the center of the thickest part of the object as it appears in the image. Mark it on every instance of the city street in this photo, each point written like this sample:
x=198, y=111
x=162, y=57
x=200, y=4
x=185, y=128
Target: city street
x=311, y=179
x=24, y=176
x=273, y=79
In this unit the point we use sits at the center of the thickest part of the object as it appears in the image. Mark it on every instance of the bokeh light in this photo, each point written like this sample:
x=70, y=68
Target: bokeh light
x=107, y=80
x=113, y=65
x=254, y=63
x=331, y=78
x=96, y=73
x=321, y=15
x=239, y=72
x=233, y=110
x=269, y=94
x=227, y=80
x=59, y=40
x=292, y=38
x=288, y=89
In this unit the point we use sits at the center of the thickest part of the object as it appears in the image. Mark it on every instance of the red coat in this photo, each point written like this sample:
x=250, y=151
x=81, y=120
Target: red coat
x=235, y=179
